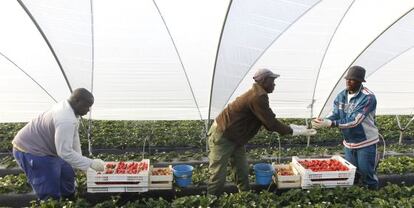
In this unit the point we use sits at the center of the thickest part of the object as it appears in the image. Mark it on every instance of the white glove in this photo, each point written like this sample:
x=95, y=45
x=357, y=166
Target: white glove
x=98, y=165
x=302, y=130
x=318, y=123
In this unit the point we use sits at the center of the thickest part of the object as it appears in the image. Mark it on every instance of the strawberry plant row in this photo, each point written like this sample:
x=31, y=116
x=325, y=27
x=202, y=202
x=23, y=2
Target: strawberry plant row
x=391, y=195
x=127, y=134
x=266, y=154
x=394, y=167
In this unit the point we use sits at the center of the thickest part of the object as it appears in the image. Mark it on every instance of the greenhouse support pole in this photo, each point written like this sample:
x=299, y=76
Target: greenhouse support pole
x=311, y=115
x=308, y=137
x=90, y=135
x=87, y=132
x=92, y=78
x=402, y=129
x=206, y=126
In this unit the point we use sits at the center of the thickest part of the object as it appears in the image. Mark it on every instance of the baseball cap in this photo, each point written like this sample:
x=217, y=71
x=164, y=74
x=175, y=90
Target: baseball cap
x=264, y=73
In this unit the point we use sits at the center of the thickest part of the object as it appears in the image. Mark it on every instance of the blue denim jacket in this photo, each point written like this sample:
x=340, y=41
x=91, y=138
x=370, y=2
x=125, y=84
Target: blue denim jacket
x=356, y=119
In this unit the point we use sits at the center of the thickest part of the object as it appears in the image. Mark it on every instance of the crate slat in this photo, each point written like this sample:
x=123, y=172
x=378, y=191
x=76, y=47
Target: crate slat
x=116, y=189
x=161, y=185
x=92, y=184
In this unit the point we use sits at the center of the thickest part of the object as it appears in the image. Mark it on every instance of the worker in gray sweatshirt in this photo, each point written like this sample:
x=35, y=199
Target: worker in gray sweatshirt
x=48, y=147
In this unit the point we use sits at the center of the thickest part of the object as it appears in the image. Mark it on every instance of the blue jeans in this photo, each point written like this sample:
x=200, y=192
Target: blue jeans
x=49, y=176
x=365, y=161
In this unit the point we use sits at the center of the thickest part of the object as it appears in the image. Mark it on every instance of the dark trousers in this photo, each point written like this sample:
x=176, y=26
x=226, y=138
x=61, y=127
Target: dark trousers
x=223, y=152
x=49, y=176
x=365, y=161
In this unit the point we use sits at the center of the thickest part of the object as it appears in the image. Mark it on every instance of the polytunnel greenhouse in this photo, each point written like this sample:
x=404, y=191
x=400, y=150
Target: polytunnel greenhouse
x=161, y=71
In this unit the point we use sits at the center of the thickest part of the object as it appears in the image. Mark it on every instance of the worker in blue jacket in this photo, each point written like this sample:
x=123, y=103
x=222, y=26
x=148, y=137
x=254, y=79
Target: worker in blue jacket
x=354, y=113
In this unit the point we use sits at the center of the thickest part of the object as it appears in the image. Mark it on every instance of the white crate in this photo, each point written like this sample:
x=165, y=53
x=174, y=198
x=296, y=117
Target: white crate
x=143, y=176
x=327, y=183
x=327, y=179
x=116, y=189
x=309, y=174
x=161, y=177
x=290, y=181
x=97, y=182
x=160, y=182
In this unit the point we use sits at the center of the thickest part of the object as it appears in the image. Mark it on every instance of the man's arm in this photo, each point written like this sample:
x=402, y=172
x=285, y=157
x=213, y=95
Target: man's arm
x=64, y=140
x=260, y=107
x=318, y=123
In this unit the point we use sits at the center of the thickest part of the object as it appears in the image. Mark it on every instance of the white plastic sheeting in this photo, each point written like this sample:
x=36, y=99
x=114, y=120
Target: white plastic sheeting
x=250, y=29
x=383, y=62
x=171, y=60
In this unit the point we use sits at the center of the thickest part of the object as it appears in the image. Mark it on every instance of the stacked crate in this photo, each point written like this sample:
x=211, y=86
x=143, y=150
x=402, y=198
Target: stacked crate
x=327, y=179
x=117, y=178
x=161, y=178
x=283, y=179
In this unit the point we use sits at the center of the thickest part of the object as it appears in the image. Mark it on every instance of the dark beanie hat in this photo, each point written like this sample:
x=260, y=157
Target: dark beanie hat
x=356, y=73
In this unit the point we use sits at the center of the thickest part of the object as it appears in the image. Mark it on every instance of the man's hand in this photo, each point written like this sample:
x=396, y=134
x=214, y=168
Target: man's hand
x=318, y=123
x=98, y=165
x=302, y=130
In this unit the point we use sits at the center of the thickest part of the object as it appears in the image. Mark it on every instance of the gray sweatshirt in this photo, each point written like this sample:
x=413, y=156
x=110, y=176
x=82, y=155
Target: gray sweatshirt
x=54, y=133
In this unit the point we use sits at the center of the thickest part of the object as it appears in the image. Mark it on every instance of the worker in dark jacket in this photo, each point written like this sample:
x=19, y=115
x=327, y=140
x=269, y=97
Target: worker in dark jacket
x=236, y=125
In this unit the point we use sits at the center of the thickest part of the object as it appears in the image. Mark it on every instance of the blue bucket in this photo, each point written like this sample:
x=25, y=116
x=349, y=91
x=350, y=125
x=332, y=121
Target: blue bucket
x=183, y=174
x=263, y=172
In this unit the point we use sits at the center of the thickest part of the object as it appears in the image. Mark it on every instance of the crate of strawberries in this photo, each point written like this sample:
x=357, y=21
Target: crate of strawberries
x=161, y=178
x=121, y=173
x=327, y=172
x=286, y=176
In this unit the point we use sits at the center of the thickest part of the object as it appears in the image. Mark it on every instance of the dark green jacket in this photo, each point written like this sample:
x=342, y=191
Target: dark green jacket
x=241, y=119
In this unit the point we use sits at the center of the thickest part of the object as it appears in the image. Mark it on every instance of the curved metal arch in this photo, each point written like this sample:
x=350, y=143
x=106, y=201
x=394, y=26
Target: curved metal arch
x=389, y=61
x=324, y=55
x=89, y=131
x=264, y=51
x=37, y=83
x=47, y=42
x=385, y=30
x=179, y=57
x=93, y=47
x=215, y=62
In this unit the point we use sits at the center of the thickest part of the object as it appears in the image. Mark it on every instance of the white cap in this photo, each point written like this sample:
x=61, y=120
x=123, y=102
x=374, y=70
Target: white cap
x=264, y=73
